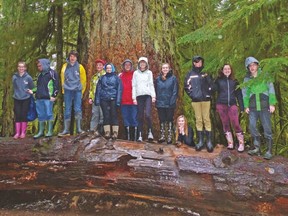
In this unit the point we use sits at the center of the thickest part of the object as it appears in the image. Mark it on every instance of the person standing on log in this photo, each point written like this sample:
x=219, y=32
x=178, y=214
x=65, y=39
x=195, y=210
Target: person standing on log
x=184, y=133
x=198, y=85
x=73, y=80
x=166, y=87
x=128, y=108
x=143, y=95
x=259, y=102
x=108, y=96
x=46, y=91
x=96, y=122
x=228, y=94
x=22, y=82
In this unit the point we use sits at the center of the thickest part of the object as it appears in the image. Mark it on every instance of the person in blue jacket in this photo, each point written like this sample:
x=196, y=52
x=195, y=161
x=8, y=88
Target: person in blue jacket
x=166, y=87
x=108, y=95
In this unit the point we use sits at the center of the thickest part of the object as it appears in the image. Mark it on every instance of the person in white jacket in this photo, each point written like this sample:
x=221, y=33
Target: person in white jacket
x=143, y=94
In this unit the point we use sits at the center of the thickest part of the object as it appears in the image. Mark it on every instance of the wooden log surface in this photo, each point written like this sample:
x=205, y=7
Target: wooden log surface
x=90, y=174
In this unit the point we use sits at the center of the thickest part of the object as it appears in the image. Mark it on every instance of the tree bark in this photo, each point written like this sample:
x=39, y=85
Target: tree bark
x=118, y=30
x=91, y=174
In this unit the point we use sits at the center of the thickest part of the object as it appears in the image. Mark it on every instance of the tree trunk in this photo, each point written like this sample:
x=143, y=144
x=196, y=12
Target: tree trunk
x=91, y=174
x=118, y=30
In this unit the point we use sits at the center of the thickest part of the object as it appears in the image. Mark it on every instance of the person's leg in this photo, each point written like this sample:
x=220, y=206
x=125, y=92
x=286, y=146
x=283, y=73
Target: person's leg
x=233, y=113
x=125, y=111
x=78, y=110
x=253, y=118
x=199, y=125
x=106, y=112
x=41, y=109
x=265, y=117
x=148, y=116
x=140, y=116
x=207, y=124
x=161, y=116
x=223, y=111
x=17, y=116
x=95, y=117
x=114, y=119
x=169, y=119
x=50, y=118
x=134, y=122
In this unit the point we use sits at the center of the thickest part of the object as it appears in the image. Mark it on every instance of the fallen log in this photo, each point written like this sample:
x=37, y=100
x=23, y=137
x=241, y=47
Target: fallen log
x=90, y=174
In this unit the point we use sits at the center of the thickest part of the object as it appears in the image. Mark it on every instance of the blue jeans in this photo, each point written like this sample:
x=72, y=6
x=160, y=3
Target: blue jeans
x=129, y=115
x=44, y=108
x=265, y=118
x=76, y=98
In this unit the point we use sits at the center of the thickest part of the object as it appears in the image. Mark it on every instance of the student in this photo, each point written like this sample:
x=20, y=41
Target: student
x=46, y=91
x=108, y=96
x=128, y=108
x=229, y=93
x=166, y=86
x=143, y=95
x=184, y=133
x=96, y=122
x=198, y=85
x=22, y=82
x=259, y=102
x=73, y=80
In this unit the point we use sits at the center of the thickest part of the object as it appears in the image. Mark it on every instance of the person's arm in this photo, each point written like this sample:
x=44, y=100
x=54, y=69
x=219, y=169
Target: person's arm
x=62, y=76
x=272, y=97
x=83, y=78
x=97, y=92
x=175, y=91
x=119, y=92
x=152, y=89
x=239, y=96
x=55, y=84
x=134, y=83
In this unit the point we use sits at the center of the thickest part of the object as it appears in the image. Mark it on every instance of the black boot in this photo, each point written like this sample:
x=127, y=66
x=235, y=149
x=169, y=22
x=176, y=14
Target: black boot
x=100, y=129
x=209, y=144
x=127, y=133
x=256, y=150
x=268, y=154
x=162, y=133
x=170, y=135
x=200, y=144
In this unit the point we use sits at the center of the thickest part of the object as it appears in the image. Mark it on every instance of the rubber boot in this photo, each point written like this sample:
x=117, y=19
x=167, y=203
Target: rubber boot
x=100, y=129
x=115, y=129
x=23, y=129
x=150, y=135
x=268, y=154
x=17, y=129
x=256, y=150
x=140, y=139
x=134, y=132
x=169, y=136
x=162, y=133
x=41, y=130
x=50, y=129
x=127, y=133
x=107, y=131
x=66, y=131
x=230, y=142
x=200, y=144
x=240, y=138
x=78, y=126
x=209, y=145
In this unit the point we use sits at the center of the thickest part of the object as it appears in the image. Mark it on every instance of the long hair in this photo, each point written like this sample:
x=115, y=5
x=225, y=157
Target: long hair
x=185, y=126
x=161, y=73
x=221, y=75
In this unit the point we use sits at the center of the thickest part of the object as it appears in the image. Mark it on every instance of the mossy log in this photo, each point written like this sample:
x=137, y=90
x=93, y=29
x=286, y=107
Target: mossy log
x=90, y=174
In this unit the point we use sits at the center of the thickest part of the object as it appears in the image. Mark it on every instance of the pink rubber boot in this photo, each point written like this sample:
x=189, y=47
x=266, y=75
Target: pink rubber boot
x=18, y=129
x=23, y=129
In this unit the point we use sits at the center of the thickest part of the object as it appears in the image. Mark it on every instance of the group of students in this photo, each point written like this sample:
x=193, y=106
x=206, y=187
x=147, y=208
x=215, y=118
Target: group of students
x=134, y=91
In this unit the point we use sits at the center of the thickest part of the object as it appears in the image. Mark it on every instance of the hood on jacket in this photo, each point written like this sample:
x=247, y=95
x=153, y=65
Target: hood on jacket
x=250, y=60
x=196, y=59
x=113, y=68
x=145, y=60
x=45, y=64
x=127, y=60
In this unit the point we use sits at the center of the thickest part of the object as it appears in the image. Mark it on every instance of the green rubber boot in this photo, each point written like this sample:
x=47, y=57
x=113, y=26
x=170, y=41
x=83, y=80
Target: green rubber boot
x=256, y=150
x=41, y=130
x=50, y=129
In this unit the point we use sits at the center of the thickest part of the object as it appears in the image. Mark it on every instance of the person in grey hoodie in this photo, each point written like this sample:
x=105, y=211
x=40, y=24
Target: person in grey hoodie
x=22, y=81
x=143, y=94
x=46, y=91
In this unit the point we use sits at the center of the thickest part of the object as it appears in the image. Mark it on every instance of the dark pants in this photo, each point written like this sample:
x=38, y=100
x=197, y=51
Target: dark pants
x=21, y=108
x=165, y=114
x=144, y=105
x=109, y=110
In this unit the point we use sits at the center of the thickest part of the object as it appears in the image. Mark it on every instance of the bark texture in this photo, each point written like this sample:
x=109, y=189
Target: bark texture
x=91, y=174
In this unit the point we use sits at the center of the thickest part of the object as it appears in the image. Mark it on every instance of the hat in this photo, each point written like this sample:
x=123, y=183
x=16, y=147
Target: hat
x=73, y=52
x=197, y=59
x=250, y=60
x=100, y=61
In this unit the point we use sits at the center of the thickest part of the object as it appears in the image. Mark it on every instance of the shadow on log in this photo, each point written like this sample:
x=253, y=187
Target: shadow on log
x=87, y=174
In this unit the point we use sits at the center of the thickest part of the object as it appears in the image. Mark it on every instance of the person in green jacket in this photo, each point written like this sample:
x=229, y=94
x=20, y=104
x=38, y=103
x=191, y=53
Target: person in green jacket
x=259, y=102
